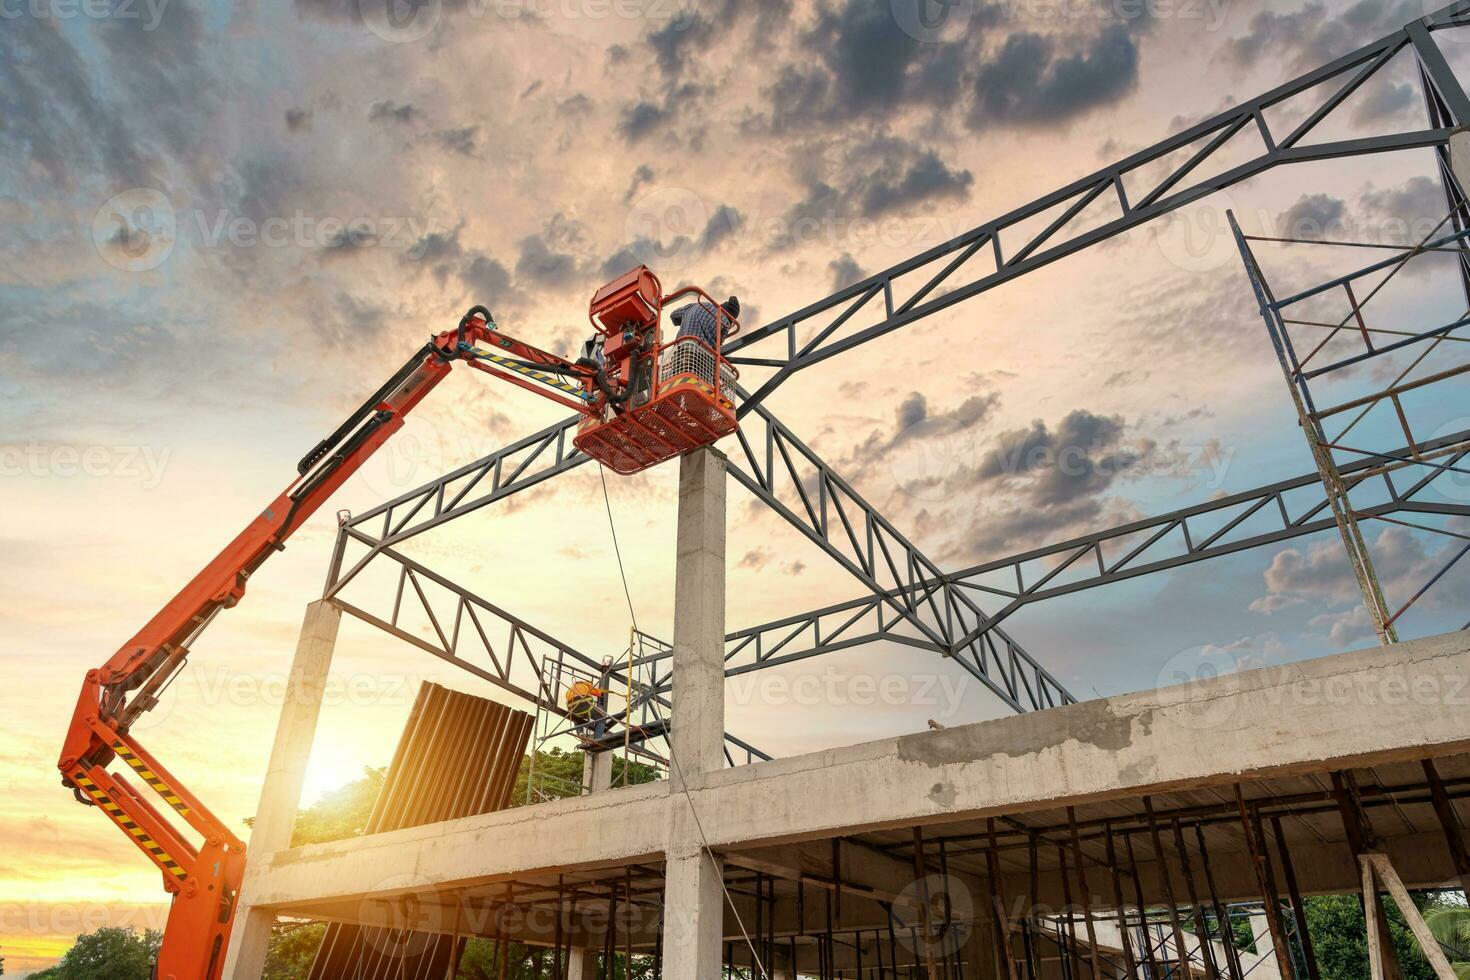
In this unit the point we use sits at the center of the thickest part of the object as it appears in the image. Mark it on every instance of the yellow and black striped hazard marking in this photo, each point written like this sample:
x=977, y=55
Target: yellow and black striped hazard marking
x=127, y=823
x=560, y=384
x=160, y=787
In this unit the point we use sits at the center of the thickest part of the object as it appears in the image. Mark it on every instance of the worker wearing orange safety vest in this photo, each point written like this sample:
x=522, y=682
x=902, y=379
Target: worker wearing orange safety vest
x=582, y=697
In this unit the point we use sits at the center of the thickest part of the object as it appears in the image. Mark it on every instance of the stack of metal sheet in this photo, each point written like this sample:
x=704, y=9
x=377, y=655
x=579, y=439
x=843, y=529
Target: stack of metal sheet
x=458, y=756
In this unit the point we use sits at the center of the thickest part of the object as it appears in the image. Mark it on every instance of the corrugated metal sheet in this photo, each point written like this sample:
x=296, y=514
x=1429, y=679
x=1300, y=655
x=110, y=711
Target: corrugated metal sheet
x=457, y=757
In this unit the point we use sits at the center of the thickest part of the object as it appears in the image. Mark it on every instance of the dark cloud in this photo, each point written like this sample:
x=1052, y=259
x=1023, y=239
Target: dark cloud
x=463, y=140
x=845, y=271
x=642, y=176
x=439, y=252
x=347, y=241
x=639, y=120
x=895, y=186
x=486, y=279
x=1031, y=81
x=879, y=176
x=1310, y=35
x=867, y=66
x=393, y=112
x=1313, y=216
x=1417, y=200
x=1082, y=456
x=1385, y=103
x=298, y=120
x=549, y=259
x=721, y=227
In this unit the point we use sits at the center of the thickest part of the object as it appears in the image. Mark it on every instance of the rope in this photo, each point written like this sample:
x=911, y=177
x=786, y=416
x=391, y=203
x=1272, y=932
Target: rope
x=673, y=758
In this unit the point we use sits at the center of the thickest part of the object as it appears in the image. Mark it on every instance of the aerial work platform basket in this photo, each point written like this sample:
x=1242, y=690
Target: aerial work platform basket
x=676, y=395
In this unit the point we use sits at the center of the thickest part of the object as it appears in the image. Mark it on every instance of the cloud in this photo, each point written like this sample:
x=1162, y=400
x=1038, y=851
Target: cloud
x=859, y=63
x=1030, y=82
x=1403, y=559
x=1416, y=200
x=926, y=178
x=878, y=176
x=392, y=112
x=639, y=120
x=845, y=271
x=641, y=177
x=1310, y=35
x=461, y=140
x=1313, y=216
x=298, y=120
x=721, y=227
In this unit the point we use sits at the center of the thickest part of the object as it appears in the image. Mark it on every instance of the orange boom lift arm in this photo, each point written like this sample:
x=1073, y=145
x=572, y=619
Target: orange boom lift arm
x=205, y=880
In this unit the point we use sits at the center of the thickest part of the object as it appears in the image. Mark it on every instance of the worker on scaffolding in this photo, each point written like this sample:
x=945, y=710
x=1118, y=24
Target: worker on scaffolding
x=709, y=323
x=583, y=700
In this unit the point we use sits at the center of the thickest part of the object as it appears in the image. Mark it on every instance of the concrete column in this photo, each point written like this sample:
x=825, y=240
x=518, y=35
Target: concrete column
x=694, y=903
x=694, y=913
x=698, y=715
x=596, y=777
x=280, y=794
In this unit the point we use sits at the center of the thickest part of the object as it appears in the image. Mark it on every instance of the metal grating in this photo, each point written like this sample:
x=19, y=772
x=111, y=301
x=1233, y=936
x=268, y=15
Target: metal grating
x=458, y=756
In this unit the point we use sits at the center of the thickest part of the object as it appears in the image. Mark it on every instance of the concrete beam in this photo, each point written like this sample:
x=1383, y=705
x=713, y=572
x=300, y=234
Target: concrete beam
x=1306, y=717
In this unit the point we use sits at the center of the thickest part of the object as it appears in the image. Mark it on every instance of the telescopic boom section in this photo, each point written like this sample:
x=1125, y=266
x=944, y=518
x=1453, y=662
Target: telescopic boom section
x=205, y=879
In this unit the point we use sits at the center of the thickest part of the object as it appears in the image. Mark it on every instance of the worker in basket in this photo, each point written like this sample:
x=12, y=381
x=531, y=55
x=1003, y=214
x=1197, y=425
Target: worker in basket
x=709, y=323
x=583, y=698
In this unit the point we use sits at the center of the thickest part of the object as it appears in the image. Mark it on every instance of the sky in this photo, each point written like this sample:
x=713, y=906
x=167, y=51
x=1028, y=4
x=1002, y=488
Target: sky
x=223, y=224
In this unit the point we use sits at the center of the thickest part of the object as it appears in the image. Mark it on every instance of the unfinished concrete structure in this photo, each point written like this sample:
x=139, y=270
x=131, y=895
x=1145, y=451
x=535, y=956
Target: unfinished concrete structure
x=1109, y=836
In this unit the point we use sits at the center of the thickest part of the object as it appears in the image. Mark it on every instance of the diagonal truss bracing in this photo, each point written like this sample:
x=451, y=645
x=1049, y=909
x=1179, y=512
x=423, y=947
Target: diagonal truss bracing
x=904, y=581
x=1009, y=248
x=478, y=636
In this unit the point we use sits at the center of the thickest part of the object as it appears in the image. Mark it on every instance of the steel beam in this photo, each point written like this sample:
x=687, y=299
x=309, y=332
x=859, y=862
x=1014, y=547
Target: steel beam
x=1224, y=526
x=482, y=638
x=945, y=274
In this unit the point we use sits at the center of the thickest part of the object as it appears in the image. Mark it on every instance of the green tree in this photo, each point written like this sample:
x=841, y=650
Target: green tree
x=1340, y=939
x=110, y=953
x=1449, y=920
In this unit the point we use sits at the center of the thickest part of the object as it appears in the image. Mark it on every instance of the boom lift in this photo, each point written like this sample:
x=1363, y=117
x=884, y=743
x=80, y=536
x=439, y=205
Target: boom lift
x=644, y=401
